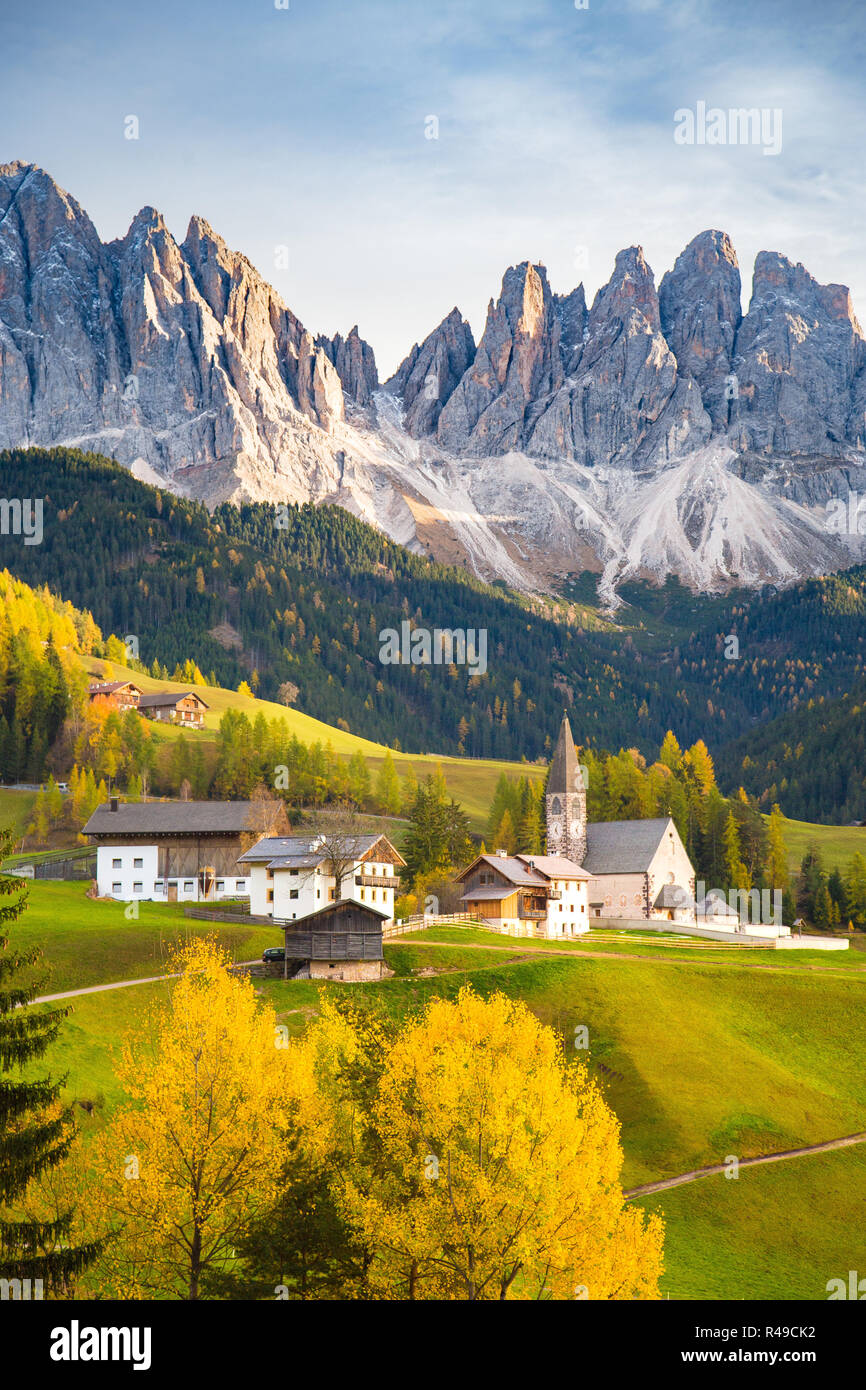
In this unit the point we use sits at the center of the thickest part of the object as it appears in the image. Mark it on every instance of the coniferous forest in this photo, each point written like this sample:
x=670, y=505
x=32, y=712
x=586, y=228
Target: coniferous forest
x=295, y=600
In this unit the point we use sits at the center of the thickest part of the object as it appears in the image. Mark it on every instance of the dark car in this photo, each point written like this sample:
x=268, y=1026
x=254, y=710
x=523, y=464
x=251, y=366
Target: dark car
x=274, y=953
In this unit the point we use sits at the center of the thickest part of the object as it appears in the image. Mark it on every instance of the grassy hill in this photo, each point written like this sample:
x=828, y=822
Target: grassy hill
x=698, y=1062
x=471, y=781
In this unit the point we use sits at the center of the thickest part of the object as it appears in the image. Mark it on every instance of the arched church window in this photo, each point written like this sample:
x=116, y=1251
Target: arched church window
x=556, y=807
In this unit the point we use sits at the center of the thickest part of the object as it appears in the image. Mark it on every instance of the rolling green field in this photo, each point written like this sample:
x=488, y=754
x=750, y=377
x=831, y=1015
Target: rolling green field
x=471, y=781
x=780, y=1231
x=838, y=843
x=87, y=942
x=698, y=1059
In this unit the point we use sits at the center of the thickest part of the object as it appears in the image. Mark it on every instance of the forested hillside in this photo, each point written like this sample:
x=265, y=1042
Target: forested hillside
x=293, y=603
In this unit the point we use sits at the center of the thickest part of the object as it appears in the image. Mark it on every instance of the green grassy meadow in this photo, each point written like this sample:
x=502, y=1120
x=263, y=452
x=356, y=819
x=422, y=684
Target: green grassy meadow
x=702, y=1052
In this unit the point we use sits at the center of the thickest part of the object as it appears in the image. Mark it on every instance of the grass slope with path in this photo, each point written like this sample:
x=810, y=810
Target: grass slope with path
x=699, y=1060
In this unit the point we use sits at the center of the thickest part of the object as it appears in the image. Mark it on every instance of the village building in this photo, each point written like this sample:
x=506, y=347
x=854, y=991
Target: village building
x=614, y=869
x=531, y=895
x=122, y=695
x=292, y=876
x=637, y=868
x=178, y=851
x=341, y=941
x=167, y=707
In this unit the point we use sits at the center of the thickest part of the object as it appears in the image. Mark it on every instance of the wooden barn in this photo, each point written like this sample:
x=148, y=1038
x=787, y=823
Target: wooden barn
x=342, y=941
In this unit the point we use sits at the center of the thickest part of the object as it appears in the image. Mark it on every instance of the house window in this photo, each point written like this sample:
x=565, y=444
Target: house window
x=221, y=885
x=116, y=863
x=116, y=887
x=138, y=863
x=293, y=872
x=332, y=893
x=188, y=887
x=637, y=899
x=241, y=885
x=138, y=888
x=608, y=902
x=159, y=887
x=270, y=895
x=293, y=893
x=622, y=899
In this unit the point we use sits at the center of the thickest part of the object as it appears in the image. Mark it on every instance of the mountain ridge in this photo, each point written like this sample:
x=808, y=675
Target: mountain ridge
x=657, y=431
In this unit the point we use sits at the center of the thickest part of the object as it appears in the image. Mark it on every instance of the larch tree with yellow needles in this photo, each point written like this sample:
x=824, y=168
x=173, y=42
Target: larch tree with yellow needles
x=194, y=1156
x=482, y=1165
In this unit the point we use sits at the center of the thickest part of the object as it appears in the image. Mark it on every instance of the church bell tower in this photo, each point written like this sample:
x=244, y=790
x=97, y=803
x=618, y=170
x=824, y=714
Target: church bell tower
x=566, y=800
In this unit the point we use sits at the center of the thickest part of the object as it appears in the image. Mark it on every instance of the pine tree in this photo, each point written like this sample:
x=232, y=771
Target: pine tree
x=36, y=1132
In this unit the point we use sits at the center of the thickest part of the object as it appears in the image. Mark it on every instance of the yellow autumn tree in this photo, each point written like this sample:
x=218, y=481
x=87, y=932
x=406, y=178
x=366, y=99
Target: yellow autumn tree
x=481, y=1165
x=194, y=1155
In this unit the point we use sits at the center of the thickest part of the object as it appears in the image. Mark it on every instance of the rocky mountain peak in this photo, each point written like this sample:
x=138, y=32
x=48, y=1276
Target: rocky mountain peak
x=699, y=304
x=631, y=287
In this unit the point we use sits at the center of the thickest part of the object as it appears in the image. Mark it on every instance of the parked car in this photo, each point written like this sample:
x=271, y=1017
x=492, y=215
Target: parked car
x=273, y=953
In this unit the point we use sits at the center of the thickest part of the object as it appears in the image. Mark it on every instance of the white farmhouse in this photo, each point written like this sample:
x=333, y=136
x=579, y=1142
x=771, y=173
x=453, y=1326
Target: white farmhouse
x=527, y=894
x=292, y=876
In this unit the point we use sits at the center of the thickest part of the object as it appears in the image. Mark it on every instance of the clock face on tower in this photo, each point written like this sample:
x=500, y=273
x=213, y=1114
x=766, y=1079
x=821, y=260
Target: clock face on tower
x=555, y=828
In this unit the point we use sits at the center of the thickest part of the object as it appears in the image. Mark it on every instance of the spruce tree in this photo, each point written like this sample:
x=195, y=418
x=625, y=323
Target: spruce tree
x=36, y=1133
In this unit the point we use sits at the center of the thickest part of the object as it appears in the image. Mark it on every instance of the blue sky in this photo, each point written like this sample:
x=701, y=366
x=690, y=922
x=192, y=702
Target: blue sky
x=305, y=128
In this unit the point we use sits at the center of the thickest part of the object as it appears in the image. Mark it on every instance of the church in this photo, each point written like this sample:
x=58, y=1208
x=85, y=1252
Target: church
x=637, y=868
x=630, y=870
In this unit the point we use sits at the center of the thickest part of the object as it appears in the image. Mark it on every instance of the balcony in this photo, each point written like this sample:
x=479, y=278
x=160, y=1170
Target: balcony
x=377, y=881
x=535, y=914
x=555, y=894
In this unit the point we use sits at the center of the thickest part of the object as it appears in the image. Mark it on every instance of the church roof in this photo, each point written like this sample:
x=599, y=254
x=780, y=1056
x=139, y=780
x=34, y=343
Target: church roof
x=565, y=773
x=623, y=846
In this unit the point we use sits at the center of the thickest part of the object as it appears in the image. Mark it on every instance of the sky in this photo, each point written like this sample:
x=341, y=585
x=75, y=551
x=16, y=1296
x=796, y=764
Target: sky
x=305, y=136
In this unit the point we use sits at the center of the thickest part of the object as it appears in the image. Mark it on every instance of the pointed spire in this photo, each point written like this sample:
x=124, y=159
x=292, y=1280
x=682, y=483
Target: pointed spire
x=565, y=775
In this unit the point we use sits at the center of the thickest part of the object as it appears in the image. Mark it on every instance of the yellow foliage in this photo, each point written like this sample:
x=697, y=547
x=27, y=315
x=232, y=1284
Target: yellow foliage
x=195, y=1154
x=482, y=1166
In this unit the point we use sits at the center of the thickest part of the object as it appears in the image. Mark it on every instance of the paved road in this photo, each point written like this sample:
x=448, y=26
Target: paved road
x=745, y=1163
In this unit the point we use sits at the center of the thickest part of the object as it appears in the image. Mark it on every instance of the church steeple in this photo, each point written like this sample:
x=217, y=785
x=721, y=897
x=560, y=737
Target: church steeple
x=566, y=799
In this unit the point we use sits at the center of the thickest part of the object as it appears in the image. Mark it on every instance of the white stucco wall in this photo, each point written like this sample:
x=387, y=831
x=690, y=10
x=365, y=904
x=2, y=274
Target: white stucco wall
x=119, y=875
x=315, y=889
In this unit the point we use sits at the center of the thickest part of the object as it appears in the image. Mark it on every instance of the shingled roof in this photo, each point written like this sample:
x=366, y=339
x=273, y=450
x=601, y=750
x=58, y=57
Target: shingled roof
x=565, y=773
x=623, y=846
x=172, y=818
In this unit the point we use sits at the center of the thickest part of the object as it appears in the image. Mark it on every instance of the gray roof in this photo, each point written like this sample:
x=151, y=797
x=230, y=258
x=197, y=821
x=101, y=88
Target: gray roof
x=623, y=846
x=167, y=697
x=171, y=818
x=565, y=773
x=672, y=896
x=298, y=851
x=554, y=865
x=487, y=894
x=514, y=870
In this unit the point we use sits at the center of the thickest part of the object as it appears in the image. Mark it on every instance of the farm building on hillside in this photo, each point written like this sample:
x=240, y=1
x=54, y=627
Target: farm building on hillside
x=342, y=941
x=167, y=707
x=178, y=851
x=293, y=875
x=123, y=695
